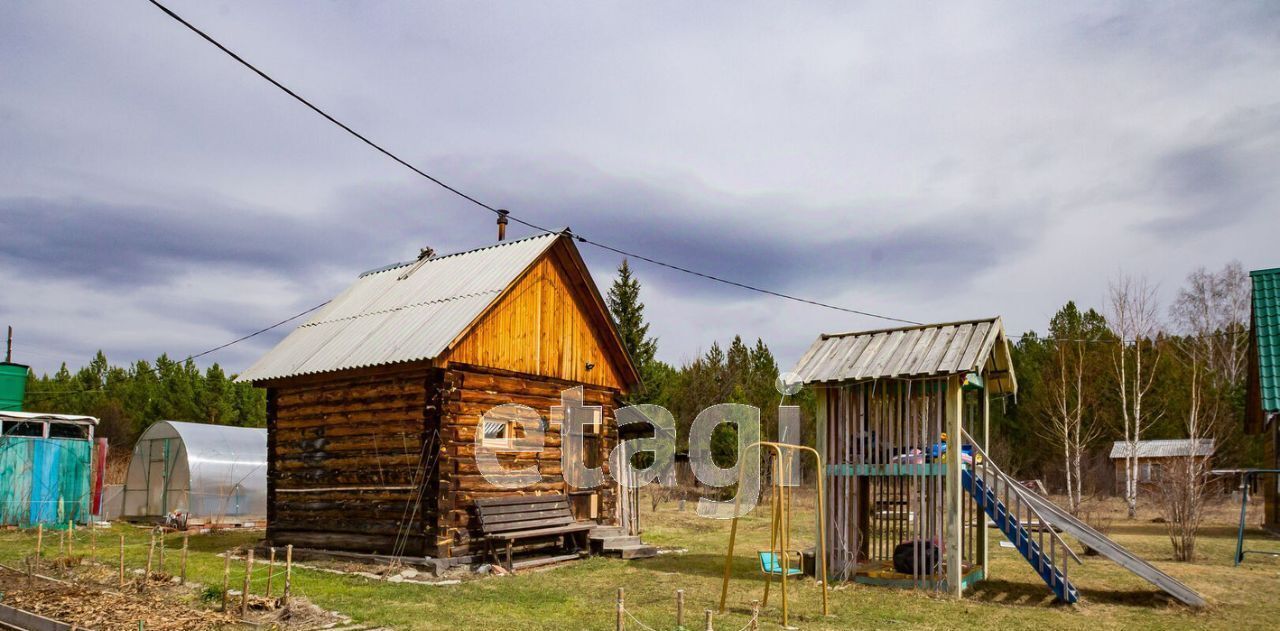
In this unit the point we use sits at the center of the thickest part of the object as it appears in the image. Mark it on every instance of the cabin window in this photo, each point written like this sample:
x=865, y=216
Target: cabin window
x=497, y=432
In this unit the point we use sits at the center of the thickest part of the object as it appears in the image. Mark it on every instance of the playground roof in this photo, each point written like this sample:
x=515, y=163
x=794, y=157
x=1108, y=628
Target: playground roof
x=914, y=352
x=1164, y=448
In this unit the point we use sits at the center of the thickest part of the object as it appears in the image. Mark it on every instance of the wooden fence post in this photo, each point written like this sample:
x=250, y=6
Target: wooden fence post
x=39, y=543
x=248, y=576
x=709, y=627
x=679, y=608
x=271, y=568
x=183, y=570
x=288, y=574
x=621, y=612
x=226, y=577
x=121, y=561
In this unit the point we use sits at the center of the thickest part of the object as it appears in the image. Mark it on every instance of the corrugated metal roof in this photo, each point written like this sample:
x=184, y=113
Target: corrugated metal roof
x=931, y=350
x=384, y=319
x=1164, y=448
x=1266, y=331
x=44, y=416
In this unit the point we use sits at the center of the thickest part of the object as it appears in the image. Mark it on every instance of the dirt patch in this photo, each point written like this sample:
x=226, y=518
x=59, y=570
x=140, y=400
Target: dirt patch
x=95, y=608
x=85, y=599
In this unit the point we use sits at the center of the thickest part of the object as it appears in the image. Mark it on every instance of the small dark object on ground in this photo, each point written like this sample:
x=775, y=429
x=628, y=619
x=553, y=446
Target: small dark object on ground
x=904, y=557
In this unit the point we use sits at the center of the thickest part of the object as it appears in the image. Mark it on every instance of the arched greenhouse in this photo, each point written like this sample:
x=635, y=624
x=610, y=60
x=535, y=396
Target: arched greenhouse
x=205, y=474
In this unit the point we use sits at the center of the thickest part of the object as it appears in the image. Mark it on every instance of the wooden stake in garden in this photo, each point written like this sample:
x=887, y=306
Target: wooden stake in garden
x=183, y=569
x=248, y=576
x=161, y=529
x=679, y=608
x=71, y=537
x=121, y=561
x=709, y=627
x=93, y=543
x=150, y=553
x=271, y=569
x=754, y=625
x=39, y=543
x=288, y=574
x=226, y=577
x=621, y=612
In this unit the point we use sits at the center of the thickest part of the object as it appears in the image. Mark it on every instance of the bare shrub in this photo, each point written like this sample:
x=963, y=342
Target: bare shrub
x=1182, y=489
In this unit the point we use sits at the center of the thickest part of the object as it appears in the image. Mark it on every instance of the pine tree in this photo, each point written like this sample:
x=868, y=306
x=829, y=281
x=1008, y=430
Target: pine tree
x=628, y=314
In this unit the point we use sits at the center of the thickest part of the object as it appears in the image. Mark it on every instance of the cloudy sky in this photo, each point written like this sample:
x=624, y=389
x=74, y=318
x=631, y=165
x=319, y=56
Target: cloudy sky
x=993, y=159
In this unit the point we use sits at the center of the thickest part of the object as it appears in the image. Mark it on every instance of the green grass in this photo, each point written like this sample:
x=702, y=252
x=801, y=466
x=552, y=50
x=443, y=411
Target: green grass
x=581, y=595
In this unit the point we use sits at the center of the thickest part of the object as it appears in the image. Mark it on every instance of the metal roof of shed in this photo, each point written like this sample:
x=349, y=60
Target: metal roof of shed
x=1164, y=448
x=385, y=319
x=922, y=351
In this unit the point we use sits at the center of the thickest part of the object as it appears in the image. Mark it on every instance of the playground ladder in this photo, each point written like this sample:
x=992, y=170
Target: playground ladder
x=1005, y=502
x=1011, y=506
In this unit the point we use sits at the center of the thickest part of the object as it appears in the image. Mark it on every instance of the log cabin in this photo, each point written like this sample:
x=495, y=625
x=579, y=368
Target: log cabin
x=374, y=404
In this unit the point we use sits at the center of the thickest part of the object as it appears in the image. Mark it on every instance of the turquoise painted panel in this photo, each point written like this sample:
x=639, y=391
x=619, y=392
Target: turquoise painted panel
x=44, y=481
x=895, y=469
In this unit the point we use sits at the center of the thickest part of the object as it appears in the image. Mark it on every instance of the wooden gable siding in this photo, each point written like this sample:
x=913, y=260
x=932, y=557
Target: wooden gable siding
x=474, y=390
x=346, y=459
x=541, y=326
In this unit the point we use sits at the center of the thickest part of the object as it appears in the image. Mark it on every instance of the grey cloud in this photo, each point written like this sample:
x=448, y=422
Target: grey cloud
x=1222, y=178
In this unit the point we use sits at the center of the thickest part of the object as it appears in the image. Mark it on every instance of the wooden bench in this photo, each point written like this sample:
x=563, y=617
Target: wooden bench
x=506, y=520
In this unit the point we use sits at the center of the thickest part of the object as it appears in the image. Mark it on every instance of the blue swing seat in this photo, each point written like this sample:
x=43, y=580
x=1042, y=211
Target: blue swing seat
x=771, y=564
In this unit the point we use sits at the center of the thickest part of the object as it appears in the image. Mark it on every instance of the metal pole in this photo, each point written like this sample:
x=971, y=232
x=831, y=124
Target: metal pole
x=8, y=348
x=1244, y=507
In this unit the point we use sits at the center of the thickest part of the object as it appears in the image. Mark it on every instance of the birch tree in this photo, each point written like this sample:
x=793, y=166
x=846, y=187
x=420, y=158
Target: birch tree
x=1210, y=316
x=1133, y=319
x=1069, y=419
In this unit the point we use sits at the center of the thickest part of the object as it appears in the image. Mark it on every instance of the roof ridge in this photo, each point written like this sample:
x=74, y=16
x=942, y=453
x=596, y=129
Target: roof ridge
x=827, y=336
x=395, y=266
x=403, y=307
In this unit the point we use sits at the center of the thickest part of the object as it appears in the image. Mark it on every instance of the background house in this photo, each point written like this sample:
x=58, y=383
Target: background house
x=1262, y=390
x=1154, y=456
x=374, y=403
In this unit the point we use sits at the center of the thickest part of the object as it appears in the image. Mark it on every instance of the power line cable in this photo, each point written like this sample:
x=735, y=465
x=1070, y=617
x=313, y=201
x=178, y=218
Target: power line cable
x=503, y=212
x=498, y=211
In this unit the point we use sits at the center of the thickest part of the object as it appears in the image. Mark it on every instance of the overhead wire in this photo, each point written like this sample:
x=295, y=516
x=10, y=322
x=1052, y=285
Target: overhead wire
x=498, y=211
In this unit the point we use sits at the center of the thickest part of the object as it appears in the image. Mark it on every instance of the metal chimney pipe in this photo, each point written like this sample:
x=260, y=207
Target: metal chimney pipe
x=502, y=224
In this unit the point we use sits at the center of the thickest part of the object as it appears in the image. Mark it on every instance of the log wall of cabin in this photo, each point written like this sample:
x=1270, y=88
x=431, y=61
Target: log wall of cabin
x=470, y=391
x=347, y=461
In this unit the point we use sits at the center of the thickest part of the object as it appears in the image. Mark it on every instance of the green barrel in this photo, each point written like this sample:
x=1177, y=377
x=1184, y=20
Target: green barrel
x=13, y=386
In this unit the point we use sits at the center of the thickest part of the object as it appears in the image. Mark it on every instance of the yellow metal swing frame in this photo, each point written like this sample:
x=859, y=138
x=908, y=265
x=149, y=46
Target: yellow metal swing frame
x=780, y=525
